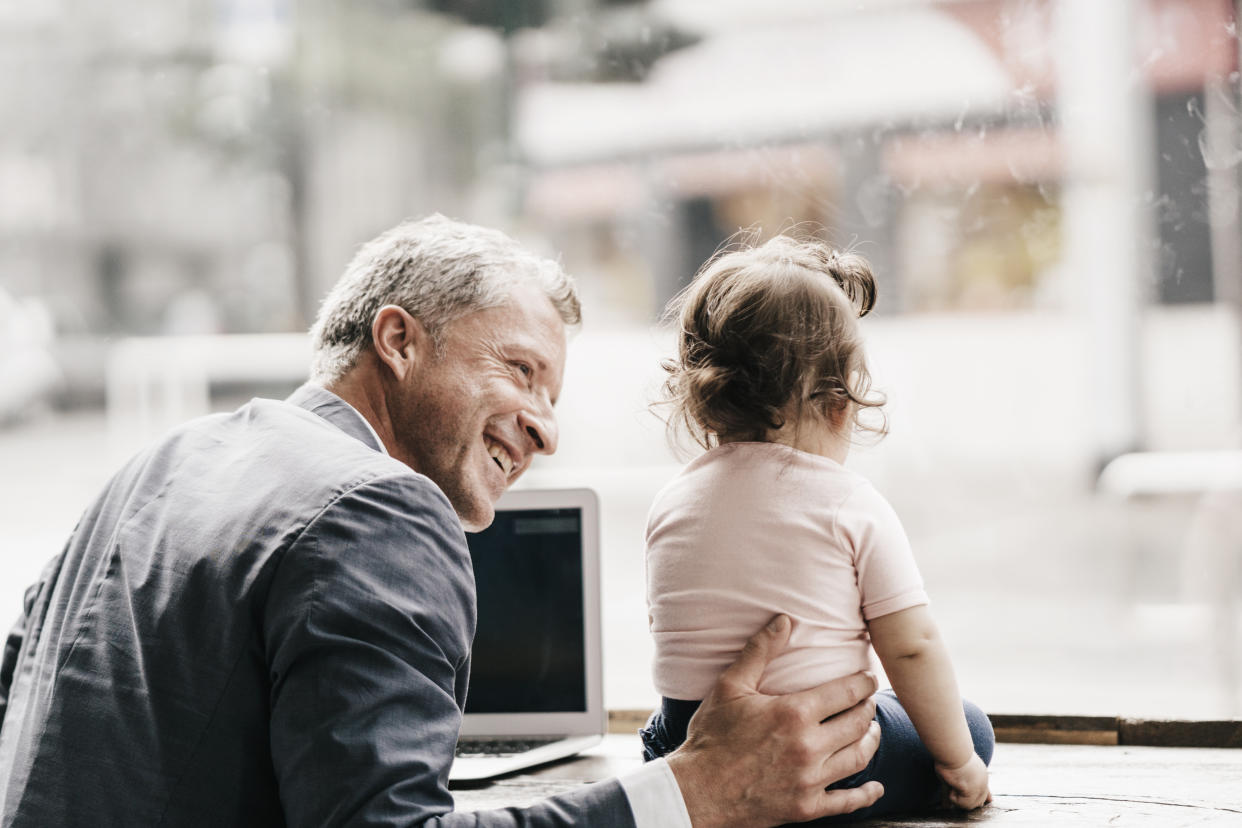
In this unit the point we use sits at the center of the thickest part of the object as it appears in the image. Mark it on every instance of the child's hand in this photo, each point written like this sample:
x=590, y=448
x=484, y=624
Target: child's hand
x=968, y=784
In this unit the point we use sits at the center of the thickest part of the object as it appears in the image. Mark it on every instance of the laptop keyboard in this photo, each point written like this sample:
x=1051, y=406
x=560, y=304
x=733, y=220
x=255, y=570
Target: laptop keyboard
x=494, y=748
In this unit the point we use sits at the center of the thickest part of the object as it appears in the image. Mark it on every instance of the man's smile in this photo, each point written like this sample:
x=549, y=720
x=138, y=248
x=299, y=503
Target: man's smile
x=500, y=455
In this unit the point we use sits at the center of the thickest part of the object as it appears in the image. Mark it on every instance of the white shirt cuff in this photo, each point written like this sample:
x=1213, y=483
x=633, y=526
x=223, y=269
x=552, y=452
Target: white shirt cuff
x=654, y=797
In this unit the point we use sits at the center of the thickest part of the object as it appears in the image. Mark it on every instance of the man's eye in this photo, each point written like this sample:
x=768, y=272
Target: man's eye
x=523, y=368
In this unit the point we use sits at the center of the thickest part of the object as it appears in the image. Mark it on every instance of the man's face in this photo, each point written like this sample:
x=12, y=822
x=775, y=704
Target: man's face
x=473, y=419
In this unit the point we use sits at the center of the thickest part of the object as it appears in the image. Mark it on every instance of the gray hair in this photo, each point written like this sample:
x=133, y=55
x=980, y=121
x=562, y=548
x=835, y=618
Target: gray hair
x=438, y=270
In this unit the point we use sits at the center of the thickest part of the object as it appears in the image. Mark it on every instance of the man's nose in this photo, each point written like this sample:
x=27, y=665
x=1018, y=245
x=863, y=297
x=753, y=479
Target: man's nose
x=541, y=428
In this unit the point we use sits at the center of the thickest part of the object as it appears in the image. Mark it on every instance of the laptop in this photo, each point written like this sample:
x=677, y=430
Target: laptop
x=536, y=675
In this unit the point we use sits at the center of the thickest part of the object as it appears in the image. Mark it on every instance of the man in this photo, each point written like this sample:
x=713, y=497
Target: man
x=266, y=618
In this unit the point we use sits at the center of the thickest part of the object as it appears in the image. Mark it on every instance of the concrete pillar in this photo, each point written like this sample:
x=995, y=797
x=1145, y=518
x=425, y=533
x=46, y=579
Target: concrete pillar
x=1105, y=111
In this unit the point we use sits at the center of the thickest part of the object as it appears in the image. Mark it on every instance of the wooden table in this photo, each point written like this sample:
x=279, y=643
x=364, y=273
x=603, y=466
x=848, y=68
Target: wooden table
x=1044, y=786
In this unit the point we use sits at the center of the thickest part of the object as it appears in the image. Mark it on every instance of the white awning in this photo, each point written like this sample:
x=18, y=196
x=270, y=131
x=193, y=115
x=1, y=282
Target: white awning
x=741, y=87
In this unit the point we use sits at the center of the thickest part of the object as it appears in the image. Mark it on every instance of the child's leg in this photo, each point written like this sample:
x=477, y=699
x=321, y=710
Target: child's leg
x=903, y=765
x=666, y=729
x=981, y=732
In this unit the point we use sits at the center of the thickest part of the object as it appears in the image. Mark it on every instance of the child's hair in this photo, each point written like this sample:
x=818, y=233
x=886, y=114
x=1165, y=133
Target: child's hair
x=768, y=332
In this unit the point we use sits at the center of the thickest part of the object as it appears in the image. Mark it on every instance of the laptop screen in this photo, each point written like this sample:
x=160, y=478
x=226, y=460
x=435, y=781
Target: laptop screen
x=530, y=647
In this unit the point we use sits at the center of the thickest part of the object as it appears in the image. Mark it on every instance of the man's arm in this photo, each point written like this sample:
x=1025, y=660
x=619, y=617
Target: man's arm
x=367, y=629
x=756, y=760
x=19, y=632
x=12, y=646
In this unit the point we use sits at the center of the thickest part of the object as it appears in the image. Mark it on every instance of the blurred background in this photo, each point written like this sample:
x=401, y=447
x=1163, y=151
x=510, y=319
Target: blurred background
x=1048, y=192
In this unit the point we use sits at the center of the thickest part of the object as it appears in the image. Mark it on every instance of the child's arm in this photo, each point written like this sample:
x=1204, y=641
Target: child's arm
x=917, y=663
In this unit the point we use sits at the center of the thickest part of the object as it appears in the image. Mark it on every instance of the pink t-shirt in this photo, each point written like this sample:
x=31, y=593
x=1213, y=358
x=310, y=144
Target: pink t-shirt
x=749, y=530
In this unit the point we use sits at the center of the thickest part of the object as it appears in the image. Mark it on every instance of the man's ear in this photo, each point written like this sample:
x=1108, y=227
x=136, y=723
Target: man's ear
x=400, y=341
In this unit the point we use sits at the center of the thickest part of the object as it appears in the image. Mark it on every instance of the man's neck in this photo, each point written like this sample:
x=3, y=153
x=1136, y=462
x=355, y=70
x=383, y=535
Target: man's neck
x=368, y=400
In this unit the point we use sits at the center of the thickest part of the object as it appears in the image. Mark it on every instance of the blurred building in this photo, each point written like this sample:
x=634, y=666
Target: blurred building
x=1070, y=167
x=209, y=166
x=928, y=133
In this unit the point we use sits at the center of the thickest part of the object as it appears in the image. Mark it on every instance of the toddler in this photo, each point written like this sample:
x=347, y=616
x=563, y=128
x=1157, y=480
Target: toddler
x=770, y=378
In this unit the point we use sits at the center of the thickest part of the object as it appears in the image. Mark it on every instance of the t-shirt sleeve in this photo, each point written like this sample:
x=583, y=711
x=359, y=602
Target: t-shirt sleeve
x=888, y=577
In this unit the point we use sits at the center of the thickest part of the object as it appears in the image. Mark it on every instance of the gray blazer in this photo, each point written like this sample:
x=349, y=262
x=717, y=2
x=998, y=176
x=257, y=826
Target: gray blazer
x=261, y=620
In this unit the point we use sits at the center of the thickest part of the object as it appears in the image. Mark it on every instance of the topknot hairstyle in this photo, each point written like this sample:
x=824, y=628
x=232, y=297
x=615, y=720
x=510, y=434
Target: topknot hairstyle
x=767, y=333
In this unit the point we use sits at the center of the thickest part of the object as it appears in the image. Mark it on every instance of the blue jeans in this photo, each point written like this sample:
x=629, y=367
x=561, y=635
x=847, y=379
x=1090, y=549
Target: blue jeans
x=902, y=764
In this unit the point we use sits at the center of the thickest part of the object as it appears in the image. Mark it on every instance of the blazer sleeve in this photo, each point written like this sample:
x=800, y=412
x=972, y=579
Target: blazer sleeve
x=21, y=630
x=367, y=631
x=12, y=647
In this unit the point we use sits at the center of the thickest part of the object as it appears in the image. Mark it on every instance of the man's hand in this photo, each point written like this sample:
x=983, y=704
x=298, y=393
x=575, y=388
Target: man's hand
x=756, y=760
